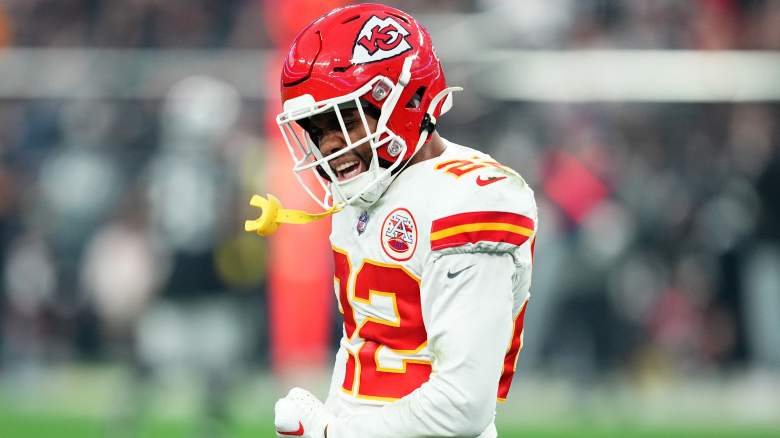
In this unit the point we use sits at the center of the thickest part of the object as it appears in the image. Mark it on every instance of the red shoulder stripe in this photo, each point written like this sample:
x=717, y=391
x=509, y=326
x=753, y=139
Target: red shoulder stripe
x=491, y=226
x=482, y=216
x=478, y=236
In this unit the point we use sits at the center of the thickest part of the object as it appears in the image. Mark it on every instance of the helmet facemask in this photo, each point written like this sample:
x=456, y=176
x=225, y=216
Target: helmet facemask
x=367, y=187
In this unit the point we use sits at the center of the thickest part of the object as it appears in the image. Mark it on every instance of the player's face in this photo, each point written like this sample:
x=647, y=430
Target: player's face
x=326, y=133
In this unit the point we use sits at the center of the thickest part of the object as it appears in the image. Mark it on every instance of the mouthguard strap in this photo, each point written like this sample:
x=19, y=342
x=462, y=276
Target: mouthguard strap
x=272, y=215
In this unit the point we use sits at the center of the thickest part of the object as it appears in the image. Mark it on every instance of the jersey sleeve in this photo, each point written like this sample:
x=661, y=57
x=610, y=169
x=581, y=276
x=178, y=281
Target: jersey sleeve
x=499, y=216
x=337, y=377
x=493, y=212
x=467, y=307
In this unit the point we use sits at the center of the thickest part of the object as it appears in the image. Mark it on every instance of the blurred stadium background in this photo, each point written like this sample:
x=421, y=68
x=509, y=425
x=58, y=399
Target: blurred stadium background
x=133, y=132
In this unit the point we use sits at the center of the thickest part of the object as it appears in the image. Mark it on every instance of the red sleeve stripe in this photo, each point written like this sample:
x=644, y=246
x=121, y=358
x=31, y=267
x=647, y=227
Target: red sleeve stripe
x=482, y=216
x=475, y=227
x=478, y=236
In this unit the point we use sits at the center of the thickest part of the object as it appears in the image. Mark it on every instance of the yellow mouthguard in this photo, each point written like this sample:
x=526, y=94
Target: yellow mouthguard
x=272, y=214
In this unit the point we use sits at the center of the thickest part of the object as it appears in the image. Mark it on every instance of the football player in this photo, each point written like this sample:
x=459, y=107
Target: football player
x=432, y=241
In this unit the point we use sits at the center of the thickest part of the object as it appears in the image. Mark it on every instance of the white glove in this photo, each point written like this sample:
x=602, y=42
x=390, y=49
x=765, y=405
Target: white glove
x=300, y=413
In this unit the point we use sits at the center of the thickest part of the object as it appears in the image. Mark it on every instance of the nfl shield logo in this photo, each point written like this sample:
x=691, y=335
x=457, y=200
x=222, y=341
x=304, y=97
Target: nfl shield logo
x=362, y=222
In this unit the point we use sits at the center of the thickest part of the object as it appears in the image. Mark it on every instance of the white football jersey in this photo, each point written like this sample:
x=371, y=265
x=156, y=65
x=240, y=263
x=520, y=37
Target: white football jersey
x=432, y=282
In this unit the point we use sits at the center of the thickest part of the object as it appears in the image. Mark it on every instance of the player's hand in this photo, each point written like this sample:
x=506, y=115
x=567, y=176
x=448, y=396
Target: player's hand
x=300, y=413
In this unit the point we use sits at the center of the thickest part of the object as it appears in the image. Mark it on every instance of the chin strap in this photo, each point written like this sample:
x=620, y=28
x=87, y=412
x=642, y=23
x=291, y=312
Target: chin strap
x=272, y=215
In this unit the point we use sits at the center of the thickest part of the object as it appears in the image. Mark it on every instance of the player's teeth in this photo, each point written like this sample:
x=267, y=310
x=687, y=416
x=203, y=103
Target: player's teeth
x=345, y=166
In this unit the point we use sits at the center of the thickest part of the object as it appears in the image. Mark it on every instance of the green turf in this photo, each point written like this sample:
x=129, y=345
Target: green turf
x=61, y=426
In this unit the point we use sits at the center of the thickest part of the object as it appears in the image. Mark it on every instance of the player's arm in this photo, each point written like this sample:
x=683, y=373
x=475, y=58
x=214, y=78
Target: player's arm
x=337, y=377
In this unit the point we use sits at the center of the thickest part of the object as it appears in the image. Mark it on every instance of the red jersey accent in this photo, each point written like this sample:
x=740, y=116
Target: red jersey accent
x=473, y=227
x=298, y=432
x=481, y=216
x=510, y=360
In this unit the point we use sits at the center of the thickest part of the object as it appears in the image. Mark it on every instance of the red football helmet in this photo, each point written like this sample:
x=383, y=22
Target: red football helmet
x=378, y=60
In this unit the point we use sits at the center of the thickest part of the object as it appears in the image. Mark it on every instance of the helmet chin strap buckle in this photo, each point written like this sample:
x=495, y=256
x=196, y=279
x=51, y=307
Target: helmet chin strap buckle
x=427, y=124
x=272, y=215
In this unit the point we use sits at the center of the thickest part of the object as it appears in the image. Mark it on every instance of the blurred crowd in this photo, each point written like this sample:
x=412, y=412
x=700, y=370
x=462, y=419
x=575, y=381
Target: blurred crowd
x=120, y=219
x=550, y=24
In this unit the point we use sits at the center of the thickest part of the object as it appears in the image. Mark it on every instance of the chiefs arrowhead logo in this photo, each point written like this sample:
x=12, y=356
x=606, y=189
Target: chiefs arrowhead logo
x=380, y=39
x=385, y=38
x=399, y=235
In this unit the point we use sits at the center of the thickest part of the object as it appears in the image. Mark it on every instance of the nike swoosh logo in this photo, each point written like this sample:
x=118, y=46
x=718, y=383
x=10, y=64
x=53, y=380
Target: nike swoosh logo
x=298, y=432
x=489, y=180
x=451, y=274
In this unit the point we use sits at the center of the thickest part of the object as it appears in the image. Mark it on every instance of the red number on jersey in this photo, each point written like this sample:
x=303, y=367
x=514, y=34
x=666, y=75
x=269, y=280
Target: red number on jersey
x=404, y=335
x=458, y=168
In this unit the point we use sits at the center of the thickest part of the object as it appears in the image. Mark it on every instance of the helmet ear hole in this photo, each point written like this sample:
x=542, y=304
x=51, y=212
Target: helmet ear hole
x=416, y=99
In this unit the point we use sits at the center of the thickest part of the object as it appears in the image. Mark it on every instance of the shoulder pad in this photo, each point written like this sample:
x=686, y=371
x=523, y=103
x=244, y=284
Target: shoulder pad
x=491, y=208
